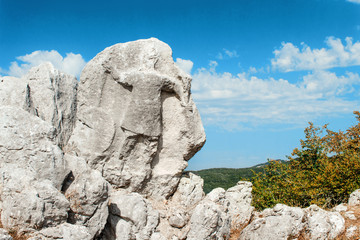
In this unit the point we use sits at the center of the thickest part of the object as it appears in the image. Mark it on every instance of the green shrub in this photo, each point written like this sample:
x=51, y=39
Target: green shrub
x=324, y=171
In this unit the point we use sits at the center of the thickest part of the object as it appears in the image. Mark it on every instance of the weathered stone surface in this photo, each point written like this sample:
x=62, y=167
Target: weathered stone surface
x=178, y=218
x=209, y=220
x=240, y=208
x=32, y=169
x=4, y=235
x=64, y=231
x=131, y=217
x=88, y=197
x=35, y=206
x=44, y=92
x=321, y=224
x=340, y=208
x=137, y=123
x=12, y=91
x=175, y=213
x=27, y=142
x=51, y=95
x=189, y=191
x=354, y=199
x=351, y=231
x=136, y=128
x=280, y=222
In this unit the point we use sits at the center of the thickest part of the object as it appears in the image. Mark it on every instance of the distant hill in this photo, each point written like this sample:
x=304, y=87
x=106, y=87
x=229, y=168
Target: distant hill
x=227, y=177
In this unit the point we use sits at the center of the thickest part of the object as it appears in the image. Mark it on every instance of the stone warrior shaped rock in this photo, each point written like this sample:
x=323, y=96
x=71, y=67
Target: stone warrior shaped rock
x=144, y=114
x=136, y=121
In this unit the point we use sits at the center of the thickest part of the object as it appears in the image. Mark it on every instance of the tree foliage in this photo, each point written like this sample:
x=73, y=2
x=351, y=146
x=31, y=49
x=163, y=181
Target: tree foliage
x=324, y=171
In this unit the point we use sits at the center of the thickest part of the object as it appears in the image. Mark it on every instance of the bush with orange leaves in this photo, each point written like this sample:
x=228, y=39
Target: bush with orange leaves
x=324, y=171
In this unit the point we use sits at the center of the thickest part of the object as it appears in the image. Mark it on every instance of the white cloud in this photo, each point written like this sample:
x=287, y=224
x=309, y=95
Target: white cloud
x=185, y=65
x=231, y=54
x=71, y=64
x=237, y=101
x=227, y=54
x=291, y=58
x=252, y=70
x=354, y=1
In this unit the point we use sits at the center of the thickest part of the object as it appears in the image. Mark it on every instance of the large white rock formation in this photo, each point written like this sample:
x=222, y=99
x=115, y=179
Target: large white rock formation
x=104, y=159
x=136, y=121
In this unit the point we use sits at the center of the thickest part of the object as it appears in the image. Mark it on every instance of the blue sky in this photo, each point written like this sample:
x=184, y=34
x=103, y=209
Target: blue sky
x=261, y=69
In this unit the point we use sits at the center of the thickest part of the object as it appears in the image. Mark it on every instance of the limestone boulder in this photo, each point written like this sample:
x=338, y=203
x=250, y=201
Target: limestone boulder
x=136, y=121
x=131, y=217
x=51, y=95
x=44, y=92
x=175, y=212
x=354, y=199
x=209, y=219
x=88, y=197
x=32, y=169
x=280, y=222
x=240, y=208
x=12, y=92
x=189, y=191
x=37, y=205
x=64, y=231
x=321, y=224
x=351, y=232
x=28, y=143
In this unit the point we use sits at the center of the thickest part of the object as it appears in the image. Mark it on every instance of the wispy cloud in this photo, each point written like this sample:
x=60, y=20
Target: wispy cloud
x=239, y=101
x=185, y=65
x=71, y=63
x=291, y=58
x=354, y=1
x=227, y=54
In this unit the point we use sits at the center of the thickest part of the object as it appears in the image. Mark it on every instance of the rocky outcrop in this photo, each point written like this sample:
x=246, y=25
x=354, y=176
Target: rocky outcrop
x=104, y=160
x=284, y=222
x=321, y=224
x=354, y=199
x=136, y=122
x=240, y=208
x=72, y=157
x=210, y=219
x=280, y=222
x=131, y=217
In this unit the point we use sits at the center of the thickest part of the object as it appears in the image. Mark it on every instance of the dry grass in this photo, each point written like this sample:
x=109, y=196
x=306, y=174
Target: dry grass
x=235, y=234
x=236, y=230
x=349, y=223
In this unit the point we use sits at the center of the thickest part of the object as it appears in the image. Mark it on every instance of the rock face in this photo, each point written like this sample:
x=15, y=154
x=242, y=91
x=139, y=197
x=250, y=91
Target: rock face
x=32, y=169
x=322, y=224
x=51, y=95
x=136, y=122
x=105, y=160
x=210, y=219
x=47, y=93
x=354, y=199
x=281, y=222
x=131, y=217
x=240, y=208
